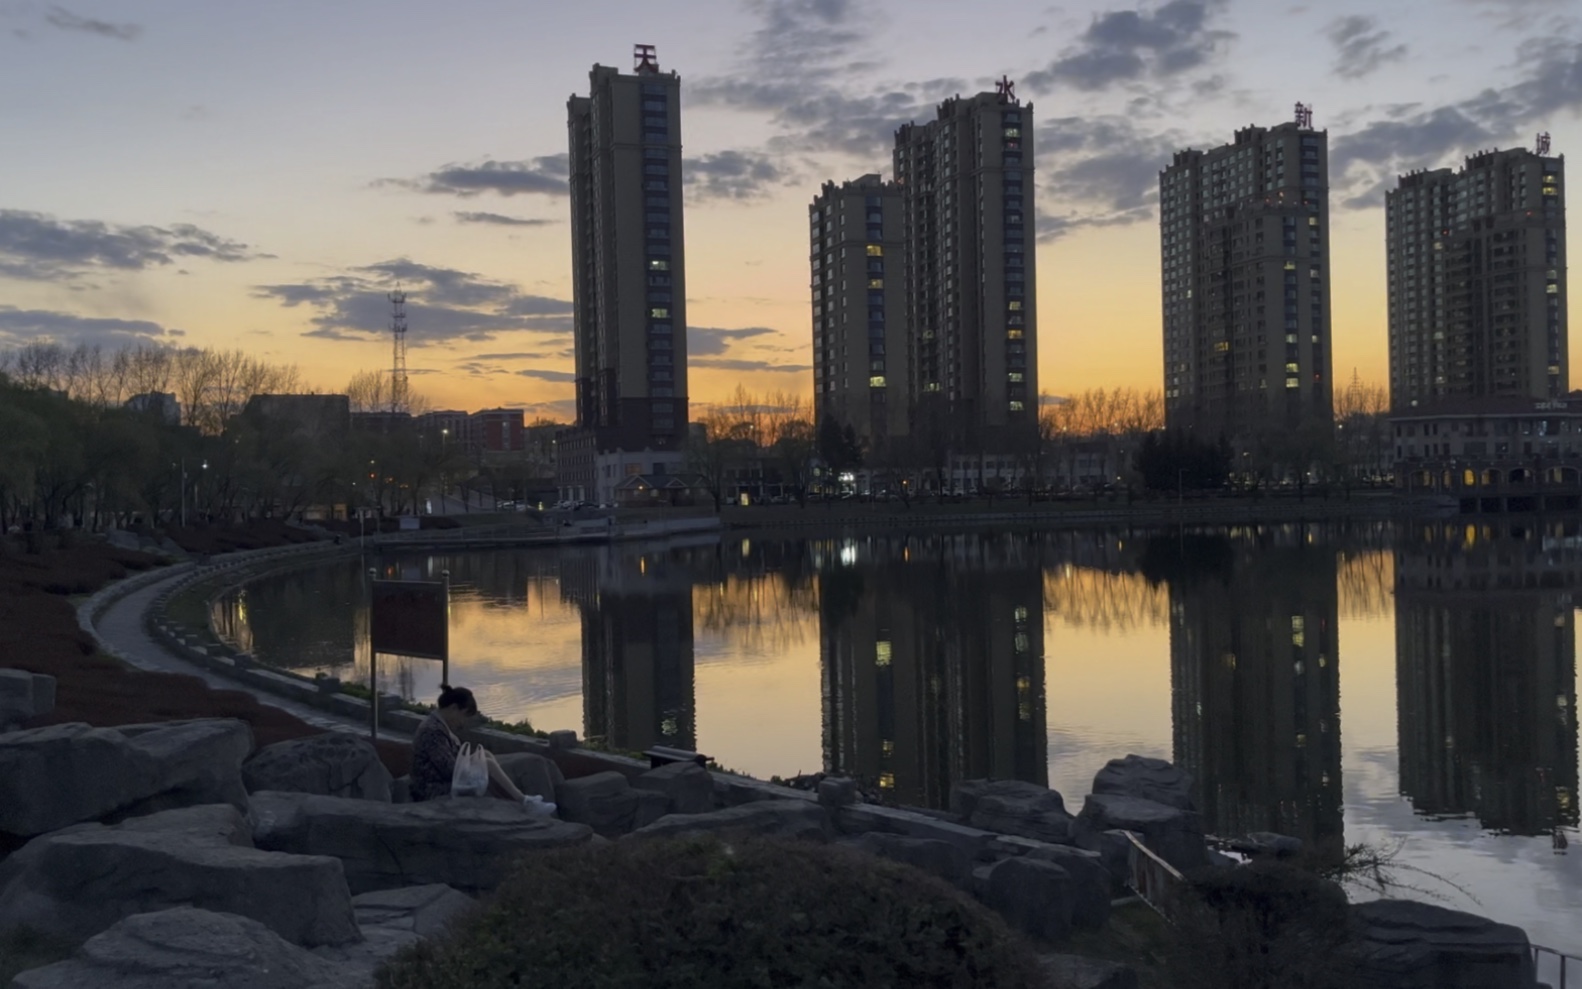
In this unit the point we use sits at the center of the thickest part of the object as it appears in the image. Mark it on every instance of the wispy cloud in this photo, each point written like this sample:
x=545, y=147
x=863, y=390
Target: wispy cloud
x=37, y=246
x=1125, y=46
x=497, y=219
x=544, y=176
x=1361, y=47
x=20, y=326
x=710, y=340
x=65, y=20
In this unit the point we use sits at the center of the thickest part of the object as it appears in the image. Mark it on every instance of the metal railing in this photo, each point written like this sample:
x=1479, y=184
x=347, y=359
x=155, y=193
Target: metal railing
x=1552, y=966
x=1155, y=881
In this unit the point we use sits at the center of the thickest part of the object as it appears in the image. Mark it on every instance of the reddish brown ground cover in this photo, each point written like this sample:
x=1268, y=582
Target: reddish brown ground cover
x=39, y=633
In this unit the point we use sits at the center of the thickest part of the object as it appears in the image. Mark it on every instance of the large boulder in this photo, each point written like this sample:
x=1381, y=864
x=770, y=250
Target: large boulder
x=61, y=775
x=460, y=841
x=532, y=774
x=940, y=858
x=24, y=695
x=334, y=764
x=688, y=787
x=1090, y=883
x=1013, y=807
x=1401, y=944
x=1173, y=834
x=189, y=948
x=1078, y=972
x=1036, y=897
x=79, y=881
x=423, y=910
x=604, y=802
x=778, y=818
x=1152, y=779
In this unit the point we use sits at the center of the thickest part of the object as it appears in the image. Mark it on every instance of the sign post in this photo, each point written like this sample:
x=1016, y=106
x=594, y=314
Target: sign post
x=408, y=618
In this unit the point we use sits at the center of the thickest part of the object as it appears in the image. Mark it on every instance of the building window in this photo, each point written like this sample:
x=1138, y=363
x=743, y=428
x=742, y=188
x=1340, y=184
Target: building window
x=875, y=251
x=877, y=381
x=1017, y=405
x=658, y=264
x=659, y=313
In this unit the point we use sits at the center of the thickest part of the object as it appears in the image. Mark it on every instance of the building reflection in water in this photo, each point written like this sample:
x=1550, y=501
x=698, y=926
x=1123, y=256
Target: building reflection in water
x=932, y=660
x=1255, y=677
x=1486, y=673
x=637, y=647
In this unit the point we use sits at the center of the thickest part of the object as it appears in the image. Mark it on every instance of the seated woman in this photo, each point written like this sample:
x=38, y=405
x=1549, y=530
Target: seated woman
x=435, y=746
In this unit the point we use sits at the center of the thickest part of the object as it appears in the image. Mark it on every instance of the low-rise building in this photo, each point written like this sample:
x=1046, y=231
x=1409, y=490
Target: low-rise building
x=1493, y=454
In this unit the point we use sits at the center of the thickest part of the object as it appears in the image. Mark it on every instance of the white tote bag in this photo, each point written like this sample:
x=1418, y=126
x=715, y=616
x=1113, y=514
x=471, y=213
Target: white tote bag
x=471, y=775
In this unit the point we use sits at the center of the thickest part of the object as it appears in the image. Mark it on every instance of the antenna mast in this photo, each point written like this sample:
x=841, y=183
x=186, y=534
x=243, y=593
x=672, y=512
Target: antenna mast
x=398, y=350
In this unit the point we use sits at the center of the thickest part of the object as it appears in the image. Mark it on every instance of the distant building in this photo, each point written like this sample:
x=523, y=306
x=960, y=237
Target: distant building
x=382, y=421
x=160, y=404
x=496, y=430
x=1244, y=243
x=966, y=181
x=1477, y=264
x=860, y=333
x=449, y=424
x=319, y=416
x=628, y=276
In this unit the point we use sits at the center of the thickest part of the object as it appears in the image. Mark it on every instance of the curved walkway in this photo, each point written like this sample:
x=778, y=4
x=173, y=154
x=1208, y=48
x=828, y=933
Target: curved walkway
x=121, y=630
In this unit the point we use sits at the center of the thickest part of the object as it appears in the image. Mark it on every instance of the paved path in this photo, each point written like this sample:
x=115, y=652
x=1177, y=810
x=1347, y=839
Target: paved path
x=122, y=631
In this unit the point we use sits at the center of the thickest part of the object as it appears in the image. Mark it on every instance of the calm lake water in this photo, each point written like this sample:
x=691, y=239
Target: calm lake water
x=1413, y=687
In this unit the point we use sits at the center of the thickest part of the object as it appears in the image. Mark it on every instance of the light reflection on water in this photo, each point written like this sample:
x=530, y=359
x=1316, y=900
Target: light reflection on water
x=1341, y=685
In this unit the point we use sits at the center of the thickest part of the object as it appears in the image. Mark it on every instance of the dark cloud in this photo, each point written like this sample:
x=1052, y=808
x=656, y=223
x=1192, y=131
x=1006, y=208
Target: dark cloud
x=543, y=374
x=498, y=219
x=528, y=355
x=1360, y=47
x=708, y=340
x=1125, y=46
x=67, y=21
x=545, y=176
x=442, y=304
x=1364, y=162
x=20, y=326
x=743, y=364
x=1098, y=171
x=37, y=246
x=732, y=175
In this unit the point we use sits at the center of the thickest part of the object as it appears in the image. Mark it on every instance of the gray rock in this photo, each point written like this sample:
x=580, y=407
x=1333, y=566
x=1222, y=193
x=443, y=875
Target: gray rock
x=1035, y=897
x=121, y=539
x=937, y=858
x=188, y=948
x=1173, y=834
x=1151, y=779
x=532, y=773
x=604, y=802
x=25, y=695
x=460, y=841
x=837, y=792
x=1268, y=843
x=77, y=882
x=423, y=910
x=1015, y=807
x=334, y=764
x=1090, y=883
x=401, y=790
x=169, y=548
x=1401, y=944
x=689, y=787
x=964, y=796
x=135, y=769
x=1076, y=972
x=779, y=818
x=651, y=806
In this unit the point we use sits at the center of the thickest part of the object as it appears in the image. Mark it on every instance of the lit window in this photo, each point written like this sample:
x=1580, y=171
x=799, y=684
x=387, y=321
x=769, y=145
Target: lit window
x=1017, y=405
x=881, y=653
x=877, y=381
x=1014, y=306
x=875, y=251
x=1312, y=221
x=876, y=283
x=1013, y=334
x=1222, y=346
x=1292, y=383
x=1014, y=376
x=659, y=313
x=658, y=264
x=1013, y=132
x=1291, y=369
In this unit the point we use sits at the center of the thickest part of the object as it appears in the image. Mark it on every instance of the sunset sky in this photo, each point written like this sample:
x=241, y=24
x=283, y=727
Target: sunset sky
x=259, y=175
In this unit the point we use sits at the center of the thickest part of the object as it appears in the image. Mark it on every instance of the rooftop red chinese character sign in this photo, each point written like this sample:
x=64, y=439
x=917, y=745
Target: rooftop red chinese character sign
x=646, y=58
x=1006, y=89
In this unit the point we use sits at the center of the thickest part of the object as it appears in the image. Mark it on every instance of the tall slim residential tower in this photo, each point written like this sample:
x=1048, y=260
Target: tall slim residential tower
x=859, y=308
x=628, y=279
x=1478, y=280
x=1244, y=245
x=966, y=181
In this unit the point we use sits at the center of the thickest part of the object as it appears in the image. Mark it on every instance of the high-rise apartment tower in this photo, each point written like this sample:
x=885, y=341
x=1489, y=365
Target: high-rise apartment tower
x=1477, y=262
x=966, y=181
x=628, y=278
x=1244, y=245
x=858, y=258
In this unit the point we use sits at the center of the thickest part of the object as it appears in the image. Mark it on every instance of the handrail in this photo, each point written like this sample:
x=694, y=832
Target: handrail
x=1152, y=878
x=1558, y=963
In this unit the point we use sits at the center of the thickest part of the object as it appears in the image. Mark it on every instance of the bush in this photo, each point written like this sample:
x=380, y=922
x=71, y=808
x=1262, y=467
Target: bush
x=704, y=912
x=1260, y=925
